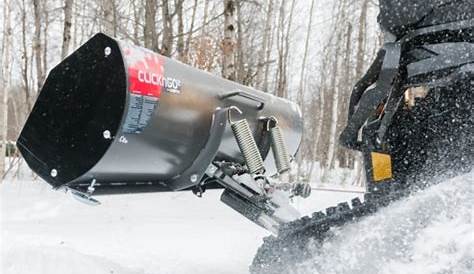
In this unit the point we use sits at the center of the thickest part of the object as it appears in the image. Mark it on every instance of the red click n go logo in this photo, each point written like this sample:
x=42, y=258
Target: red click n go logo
x=145, y=77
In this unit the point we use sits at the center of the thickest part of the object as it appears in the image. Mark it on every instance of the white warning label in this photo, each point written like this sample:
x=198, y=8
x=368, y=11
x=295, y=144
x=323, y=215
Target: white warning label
x=140, y=112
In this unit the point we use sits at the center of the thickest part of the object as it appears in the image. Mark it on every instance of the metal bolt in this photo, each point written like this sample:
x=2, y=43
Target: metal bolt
x=107, y=51
x=54, y=173
x=91, y=188
x=211, y=169
x=123, y=140
x=194, y=178
x=106, y=134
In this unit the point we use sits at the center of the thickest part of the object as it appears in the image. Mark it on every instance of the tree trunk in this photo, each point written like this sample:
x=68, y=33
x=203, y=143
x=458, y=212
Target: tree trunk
x=265, y=44
x=4, y=84
x=343, y=154
x=167, y=41
x=281, y=50
x=269, y=48
x=45, y=41
x=305, y=55
x=325, y=117
x=240, y=70
x=25, y=57
x=287, y=50
x=180, y=42
x=301, y=95
x=334, y=110
x=228, y=43
x=137, y=16
x=190, y=34
x=108, y=24
x=37, y=43
x=68, y=4
x=204, y=17
x=149, y=35
x=361, y=39
x=335, y=87
x=74, y=25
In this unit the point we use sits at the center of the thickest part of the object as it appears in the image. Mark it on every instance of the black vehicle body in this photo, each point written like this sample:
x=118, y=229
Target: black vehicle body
x=407, y=146
x=428, y=45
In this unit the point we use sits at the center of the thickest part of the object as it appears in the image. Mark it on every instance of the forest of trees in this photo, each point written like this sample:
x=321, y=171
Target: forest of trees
x=309, y=51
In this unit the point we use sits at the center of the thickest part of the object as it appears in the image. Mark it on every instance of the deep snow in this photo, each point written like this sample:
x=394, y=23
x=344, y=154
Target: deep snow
x=43, y=231
x=48, y=232
x=429, y=232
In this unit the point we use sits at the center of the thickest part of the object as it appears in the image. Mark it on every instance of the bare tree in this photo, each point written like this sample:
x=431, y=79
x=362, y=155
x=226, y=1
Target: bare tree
x=287, y=50
x=228, y=43
x=68, y=4
x=344, y=155
x=190, y=34
x=25, y=58
x=283, y=48
x=180, y=43
x=301, y=91
x=149, y=31
x=305, y=55
x=361, y=38
x=4, y=83
x=167, y=19
x=332, y=148
x=37, y=6
x=137, y=15
x=109, y=18
x=262, y=54
x=205, y=17
x=269, y=47
x=239, y=45
x=45, y=41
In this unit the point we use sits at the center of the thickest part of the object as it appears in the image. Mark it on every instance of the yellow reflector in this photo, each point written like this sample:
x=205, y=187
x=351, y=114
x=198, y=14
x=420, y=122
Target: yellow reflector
x=381, y=166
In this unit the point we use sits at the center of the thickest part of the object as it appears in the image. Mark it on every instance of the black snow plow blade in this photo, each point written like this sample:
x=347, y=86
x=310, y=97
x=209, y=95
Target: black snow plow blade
x=116, y=118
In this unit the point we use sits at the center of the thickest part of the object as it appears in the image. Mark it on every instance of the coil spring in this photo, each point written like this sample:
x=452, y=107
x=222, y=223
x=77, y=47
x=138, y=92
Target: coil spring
x=247, y=146
x=280, y=151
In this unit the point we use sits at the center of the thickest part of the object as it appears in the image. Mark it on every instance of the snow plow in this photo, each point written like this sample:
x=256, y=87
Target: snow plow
x=114, y=118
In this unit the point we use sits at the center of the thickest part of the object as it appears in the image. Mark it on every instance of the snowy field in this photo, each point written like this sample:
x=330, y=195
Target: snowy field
x=48, y=232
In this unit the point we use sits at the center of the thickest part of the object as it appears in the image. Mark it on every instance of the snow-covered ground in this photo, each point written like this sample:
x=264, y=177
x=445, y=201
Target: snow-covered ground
x=429, y=232
x=47, y=232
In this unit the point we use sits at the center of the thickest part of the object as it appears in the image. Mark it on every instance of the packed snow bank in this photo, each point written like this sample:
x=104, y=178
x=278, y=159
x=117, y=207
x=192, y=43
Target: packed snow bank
x=429, y=232
x=48, y=232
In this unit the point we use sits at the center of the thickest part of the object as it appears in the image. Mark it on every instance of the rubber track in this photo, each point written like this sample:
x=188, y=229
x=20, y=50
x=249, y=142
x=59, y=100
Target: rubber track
x=278, y=254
